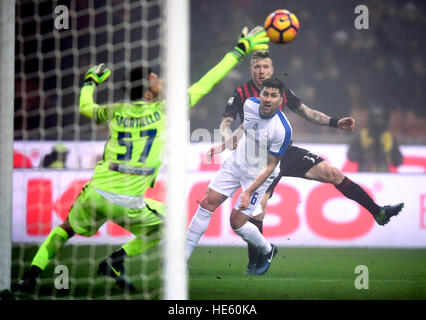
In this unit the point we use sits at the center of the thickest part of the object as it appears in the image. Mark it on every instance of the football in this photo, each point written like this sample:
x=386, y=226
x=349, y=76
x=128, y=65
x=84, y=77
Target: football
x=282, y=26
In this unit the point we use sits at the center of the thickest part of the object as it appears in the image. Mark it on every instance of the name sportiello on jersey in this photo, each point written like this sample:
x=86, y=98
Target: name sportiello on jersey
x=129, y=122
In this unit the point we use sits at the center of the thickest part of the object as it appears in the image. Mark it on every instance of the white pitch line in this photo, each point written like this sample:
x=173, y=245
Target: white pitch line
x=253, y=278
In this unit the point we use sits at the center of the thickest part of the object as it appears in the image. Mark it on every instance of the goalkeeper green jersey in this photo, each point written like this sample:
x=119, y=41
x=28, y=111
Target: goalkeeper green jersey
x=132, y=154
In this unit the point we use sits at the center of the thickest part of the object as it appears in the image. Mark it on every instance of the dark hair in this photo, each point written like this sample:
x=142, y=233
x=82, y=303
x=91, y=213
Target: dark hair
x=138, y=82
x=273, y=83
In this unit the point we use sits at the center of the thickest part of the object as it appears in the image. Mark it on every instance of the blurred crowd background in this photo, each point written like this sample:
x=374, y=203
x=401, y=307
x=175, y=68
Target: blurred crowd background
x=331, y=66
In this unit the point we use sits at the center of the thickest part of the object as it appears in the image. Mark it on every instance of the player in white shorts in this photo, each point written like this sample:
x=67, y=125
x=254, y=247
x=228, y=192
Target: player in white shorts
x=252, y=166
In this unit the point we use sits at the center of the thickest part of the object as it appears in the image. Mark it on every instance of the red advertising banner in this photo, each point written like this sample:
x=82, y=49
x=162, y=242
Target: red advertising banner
x=301, y=212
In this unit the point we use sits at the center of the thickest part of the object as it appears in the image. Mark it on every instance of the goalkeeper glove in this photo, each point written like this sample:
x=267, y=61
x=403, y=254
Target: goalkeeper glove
x=256, y=39
x=97, y=74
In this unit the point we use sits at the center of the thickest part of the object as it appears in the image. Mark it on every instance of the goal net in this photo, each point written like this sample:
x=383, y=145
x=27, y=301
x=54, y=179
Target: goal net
x=56, y=148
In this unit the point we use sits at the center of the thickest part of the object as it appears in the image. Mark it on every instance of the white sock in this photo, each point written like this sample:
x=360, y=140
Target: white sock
x=249, y=233
x=199, y=224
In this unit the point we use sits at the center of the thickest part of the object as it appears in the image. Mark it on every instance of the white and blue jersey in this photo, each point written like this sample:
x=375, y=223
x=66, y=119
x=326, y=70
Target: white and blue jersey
x=263, y=135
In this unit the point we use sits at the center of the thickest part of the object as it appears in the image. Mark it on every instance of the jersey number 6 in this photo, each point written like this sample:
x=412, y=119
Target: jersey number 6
x=129, y=144
x=254, y=198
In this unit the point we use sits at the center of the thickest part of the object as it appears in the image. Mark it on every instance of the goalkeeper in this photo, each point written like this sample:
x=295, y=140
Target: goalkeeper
x=130, y=165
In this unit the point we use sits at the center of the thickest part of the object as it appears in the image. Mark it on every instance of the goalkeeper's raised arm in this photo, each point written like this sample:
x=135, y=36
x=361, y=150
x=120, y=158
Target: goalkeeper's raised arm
x=96, y=75
x=256, y=39
x=248, y=42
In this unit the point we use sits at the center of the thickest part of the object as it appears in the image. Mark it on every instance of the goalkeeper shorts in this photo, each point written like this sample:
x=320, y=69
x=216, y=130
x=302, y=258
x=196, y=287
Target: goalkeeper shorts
x=90, y=211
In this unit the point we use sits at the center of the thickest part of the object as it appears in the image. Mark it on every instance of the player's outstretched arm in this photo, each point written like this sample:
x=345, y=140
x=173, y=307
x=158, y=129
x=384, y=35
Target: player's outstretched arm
x=319, y=118
x=96, y=75
x=256, y=39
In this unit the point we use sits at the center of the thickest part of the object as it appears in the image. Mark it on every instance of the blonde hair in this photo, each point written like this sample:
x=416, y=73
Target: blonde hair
x=260, y=54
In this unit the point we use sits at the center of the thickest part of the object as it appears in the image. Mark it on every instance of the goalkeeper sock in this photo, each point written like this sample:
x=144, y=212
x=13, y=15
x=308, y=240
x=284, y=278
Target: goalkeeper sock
x=54, y=242
x=250, y=234
x=199, y=224
x=137, y=246
x=354, y=192
x=252, y=250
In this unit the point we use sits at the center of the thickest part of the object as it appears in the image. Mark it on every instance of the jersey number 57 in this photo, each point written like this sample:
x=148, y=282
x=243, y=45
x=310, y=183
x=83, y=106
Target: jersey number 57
x=129, y=144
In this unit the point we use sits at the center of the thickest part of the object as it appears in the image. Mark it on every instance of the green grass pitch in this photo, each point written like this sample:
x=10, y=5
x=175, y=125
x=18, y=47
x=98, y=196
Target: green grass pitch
x=217, y=273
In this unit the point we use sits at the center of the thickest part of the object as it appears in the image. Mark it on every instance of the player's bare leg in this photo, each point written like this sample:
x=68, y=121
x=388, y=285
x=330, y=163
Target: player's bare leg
x=212, y=200
x=325, y=172
x=201, y=219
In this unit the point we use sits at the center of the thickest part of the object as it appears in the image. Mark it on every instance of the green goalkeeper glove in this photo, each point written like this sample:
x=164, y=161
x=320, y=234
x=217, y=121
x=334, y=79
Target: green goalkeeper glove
x=97, y=75
x=256, y=39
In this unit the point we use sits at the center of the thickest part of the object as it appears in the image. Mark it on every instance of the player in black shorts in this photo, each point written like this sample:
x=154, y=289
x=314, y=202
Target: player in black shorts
x=298, y=162
x=295, y=163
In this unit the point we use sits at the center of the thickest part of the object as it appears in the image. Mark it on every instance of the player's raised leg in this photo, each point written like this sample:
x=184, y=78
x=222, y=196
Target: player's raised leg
x=324, y=172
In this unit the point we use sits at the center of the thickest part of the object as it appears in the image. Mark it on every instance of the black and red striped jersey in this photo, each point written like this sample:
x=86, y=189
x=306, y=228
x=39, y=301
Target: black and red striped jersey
x=235, y=103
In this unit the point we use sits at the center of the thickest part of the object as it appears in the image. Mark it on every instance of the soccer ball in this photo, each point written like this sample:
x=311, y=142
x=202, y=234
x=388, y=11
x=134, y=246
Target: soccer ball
x=282, y=26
